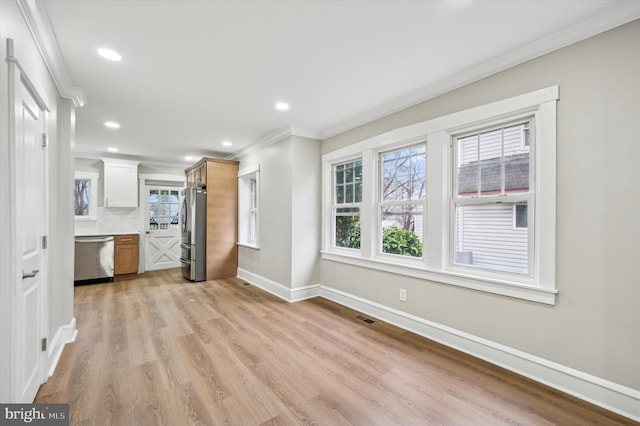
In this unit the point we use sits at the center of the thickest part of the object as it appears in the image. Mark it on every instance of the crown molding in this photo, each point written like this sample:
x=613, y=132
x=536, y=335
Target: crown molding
x=274, y=138
x=262, y=143
x=144, y=161
x=619, y=14
x=39, y=25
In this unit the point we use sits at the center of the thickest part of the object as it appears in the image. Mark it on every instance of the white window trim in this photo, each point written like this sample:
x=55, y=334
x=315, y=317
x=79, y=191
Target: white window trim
x=245, y=207
x=93, y=195
x=335, y=206
x=438, y=132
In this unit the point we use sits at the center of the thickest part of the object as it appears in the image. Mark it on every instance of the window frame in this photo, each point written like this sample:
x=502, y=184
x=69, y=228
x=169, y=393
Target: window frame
x=249, y=207
x=515, y=217
x=380, y=203
x=92, y=177
x=353, y=205
x=436, y=265
x=493, y=199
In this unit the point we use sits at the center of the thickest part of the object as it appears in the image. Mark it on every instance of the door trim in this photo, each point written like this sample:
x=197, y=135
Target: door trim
x=145, y=179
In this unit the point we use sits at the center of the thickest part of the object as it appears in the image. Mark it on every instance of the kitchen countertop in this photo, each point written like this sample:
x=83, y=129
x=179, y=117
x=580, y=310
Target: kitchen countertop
x=101, y=234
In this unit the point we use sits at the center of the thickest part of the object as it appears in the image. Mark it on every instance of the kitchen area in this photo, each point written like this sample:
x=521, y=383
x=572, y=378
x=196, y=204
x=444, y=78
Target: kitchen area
x=132, y=217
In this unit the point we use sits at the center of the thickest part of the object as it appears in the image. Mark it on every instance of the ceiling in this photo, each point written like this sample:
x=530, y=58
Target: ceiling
x=195, y=73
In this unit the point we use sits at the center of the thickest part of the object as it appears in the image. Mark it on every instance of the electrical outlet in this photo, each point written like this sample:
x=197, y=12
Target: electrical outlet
x=403, y=294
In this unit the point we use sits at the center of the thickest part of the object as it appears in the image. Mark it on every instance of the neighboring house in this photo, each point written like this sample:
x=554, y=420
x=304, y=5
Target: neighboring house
x=495, y=235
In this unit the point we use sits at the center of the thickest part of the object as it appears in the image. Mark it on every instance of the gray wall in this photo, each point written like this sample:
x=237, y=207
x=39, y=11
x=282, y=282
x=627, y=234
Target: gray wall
x=273, y=259
x=595, y=325
x=305, y=217
x=289, y=217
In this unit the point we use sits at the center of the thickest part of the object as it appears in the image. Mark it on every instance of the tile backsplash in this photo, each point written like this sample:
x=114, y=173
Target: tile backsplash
x=112, y=219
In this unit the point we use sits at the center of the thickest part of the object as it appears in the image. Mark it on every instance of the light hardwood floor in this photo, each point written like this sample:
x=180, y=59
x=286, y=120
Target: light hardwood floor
x=159, y=350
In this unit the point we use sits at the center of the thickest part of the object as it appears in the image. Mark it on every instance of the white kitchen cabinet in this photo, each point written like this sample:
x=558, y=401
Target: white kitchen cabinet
x=120, y=183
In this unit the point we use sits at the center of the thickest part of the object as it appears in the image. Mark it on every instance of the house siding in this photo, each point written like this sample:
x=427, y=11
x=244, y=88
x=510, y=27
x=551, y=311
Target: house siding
x=488, y=233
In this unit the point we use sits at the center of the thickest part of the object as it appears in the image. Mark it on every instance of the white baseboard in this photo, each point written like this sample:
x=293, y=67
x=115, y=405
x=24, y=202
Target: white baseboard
x=277, y=289
x=65, y=334
x=604, y=393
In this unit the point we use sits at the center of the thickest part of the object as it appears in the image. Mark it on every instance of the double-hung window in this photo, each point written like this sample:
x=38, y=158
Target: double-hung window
x=466, y=199
x=401, y=205
x=248, y=206
x=347, y=202
x=493, y=179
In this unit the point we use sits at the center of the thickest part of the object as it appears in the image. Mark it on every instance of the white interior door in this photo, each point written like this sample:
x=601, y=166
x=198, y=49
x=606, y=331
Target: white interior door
x=162, y=239
x=30, y=220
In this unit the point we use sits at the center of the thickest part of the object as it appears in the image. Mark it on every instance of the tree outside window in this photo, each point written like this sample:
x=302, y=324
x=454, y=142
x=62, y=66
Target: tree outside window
x=347, y=196
x=85, y=195
x=82, y=194
x=402, y=198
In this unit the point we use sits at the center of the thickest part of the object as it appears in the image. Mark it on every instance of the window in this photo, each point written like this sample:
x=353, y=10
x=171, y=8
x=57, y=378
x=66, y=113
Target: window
x=520, y=216
x=164, y=207
x=492, y=181
x=347, y=201
x=402, y=198
x=488, y=222
x=248, y=206
x=85, y=196
x=253, y=210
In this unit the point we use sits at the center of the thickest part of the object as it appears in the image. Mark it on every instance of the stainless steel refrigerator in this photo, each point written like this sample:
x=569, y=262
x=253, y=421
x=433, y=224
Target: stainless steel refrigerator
x=193, y=247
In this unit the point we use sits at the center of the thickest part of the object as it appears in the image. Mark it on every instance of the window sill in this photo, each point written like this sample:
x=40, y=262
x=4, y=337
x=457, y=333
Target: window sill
x=500, y=287
x=249, y=245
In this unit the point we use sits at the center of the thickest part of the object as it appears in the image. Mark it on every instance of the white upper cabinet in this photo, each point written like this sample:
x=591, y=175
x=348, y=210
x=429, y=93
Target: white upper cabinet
x=120, y=183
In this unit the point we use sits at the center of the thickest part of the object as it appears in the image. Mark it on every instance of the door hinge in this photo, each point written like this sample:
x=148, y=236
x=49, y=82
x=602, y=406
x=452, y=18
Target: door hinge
x=44, y=140
x=44, y=344
x=44, y=242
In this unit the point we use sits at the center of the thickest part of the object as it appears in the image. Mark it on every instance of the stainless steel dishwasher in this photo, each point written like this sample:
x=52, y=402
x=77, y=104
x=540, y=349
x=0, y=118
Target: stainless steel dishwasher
x=93, y=258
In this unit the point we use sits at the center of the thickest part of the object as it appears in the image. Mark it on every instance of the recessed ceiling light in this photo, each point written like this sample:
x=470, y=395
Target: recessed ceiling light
x=282, y=106
x=188, y=158
x=226, y=143
x=112, y=124
x=112, y=149
x=109, y=54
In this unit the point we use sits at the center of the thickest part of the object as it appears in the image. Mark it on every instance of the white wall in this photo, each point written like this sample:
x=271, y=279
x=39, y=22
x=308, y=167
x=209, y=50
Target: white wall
x=118, y=219
x=595, y=326
x=61, y=217
x=60, y=127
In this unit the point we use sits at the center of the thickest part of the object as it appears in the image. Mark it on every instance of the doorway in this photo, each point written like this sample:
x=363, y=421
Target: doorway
x=162, y=227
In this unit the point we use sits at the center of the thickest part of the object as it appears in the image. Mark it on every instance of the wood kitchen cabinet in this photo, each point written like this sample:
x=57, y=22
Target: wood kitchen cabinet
x=197, y=175
x=220, y=177
x=125, y=260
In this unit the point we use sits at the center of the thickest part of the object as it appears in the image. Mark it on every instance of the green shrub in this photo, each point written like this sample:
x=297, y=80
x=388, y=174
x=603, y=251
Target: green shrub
x=396, y=240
